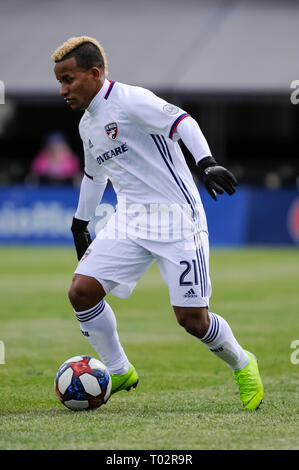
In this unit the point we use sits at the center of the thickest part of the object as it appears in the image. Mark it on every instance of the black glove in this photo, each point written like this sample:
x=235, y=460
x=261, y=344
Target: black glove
x=216, y=179
x=81, y=236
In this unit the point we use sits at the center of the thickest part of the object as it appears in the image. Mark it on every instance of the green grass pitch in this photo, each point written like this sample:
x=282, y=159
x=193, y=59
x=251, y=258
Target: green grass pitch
x=186, y=398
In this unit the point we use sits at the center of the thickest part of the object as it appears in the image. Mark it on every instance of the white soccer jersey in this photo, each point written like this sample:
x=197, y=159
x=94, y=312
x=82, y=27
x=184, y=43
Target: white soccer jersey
x=129, y=137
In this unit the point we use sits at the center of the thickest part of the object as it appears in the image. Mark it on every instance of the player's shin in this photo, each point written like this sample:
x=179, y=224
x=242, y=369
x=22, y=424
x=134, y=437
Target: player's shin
x=221, y=341
x=98, y=325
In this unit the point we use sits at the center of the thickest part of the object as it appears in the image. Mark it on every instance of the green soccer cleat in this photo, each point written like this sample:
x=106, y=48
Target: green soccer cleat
x=250, y=384
x=124, y=381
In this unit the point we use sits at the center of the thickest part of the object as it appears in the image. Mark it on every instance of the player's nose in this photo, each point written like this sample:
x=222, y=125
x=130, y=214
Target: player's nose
x=64, y=90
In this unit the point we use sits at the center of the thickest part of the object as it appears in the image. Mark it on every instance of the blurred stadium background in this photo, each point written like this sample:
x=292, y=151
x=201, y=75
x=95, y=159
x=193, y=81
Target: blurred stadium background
x=228, y=63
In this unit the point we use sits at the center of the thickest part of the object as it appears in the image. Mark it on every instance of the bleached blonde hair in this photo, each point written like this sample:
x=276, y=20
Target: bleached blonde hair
x=72, y=43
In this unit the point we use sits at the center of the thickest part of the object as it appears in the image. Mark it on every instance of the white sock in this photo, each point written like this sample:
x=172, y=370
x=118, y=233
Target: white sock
x=221, y=341
x=98, y=325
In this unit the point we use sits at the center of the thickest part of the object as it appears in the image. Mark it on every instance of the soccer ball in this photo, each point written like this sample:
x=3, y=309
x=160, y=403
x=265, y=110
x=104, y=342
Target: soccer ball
x=83, y=383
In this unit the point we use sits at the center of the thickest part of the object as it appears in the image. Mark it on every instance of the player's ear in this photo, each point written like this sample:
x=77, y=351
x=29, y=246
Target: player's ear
x=96, y=73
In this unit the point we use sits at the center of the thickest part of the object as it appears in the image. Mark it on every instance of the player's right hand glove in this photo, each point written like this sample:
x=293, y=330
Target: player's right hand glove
x=82, y=238
x=216, y=179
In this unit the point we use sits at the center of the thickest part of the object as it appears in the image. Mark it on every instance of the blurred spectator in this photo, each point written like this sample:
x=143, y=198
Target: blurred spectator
x=56, y=163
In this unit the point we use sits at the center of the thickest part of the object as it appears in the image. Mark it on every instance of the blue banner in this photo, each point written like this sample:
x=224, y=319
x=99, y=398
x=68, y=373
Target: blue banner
x=41, y=215
x=253, y=215
x=273, y=217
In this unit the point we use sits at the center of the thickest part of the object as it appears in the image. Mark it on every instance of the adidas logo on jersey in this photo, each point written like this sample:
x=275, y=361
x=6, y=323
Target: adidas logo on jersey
x=90, y=144
x=190, y=294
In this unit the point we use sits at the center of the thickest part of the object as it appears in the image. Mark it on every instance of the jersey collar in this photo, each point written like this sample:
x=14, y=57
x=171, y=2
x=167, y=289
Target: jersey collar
x=95, y=102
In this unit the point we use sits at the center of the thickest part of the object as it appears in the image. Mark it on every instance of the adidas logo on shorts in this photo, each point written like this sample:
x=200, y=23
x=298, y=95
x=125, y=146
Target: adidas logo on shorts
x=190, y=294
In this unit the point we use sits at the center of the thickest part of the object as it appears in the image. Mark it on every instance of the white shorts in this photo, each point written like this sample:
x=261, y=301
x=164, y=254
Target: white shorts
x=119, y=263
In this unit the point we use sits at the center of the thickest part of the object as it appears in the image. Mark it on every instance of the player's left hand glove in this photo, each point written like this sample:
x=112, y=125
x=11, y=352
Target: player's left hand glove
x=82, y=238
x=216, y=179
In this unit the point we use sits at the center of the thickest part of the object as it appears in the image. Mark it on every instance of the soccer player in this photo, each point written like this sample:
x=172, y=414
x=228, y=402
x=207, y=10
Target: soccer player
x=130, y=136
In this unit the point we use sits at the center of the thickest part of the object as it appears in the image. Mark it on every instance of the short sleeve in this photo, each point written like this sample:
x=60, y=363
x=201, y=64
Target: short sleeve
x=153, y=114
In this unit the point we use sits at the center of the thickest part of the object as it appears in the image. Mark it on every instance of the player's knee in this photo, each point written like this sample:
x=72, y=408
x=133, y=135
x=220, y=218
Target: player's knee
x=194, y=320
x=85, y=292
x=76, y=293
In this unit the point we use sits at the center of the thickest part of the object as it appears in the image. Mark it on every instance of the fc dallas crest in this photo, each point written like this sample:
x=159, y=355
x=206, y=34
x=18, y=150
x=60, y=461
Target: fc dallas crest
x=111, y=130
